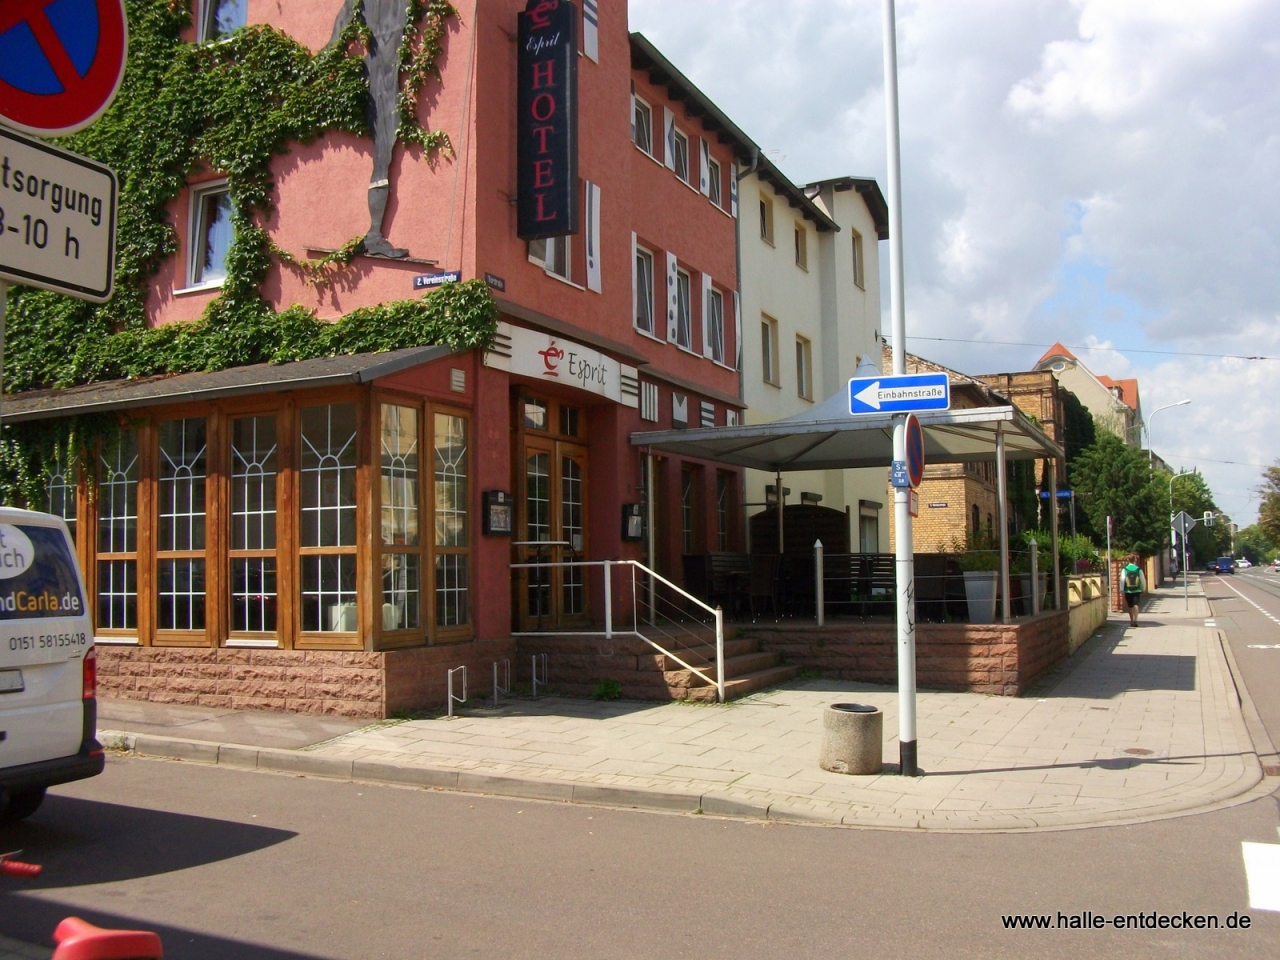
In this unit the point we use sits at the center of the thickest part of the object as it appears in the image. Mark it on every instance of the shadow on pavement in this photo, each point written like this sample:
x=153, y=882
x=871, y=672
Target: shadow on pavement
x=81, y=842
x=33, y=920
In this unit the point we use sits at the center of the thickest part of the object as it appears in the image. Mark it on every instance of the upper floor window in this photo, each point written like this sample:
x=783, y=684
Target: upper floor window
x=766, y=220
x=858, y=277
x=769, y=348
x=642, y=125
x=644, y=290
x=211, y=235
x=220, y=17
x=684, y=311
x=715, y=325
x=802, y=246
x=804, y=368
x=713, y=180
x=552, y=254
x=680, y=155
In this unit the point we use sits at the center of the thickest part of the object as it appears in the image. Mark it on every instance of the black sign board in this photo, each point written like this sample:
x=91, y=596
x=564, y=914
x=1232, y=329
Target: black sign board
x=547, y=137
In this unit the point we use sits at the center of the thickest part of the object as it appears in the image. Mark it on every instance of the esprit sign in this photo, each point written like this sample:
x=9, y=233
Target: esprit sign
x=547, y=146
x=552, y=359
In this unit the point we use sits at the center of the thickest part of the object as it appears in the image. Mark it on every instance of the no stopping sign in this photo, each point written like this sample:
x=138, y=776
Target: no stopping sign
x=61, y=62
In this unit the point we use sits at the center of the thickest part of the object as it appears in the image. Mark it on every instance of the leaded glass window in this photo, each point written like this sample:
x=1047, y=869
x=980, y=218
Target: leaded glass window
x=328, y=518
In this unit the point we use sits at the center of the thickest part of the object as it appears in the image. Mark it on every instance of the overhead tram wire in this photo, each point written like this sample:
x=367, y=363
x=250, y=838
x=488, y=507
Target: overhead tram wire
x=1045, y=346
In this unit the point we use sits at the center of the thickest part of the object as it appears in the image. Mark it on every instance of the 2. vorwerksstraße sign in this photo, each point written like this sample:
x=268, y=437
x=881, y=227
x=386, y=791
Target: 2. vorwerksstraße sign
x=57, y=219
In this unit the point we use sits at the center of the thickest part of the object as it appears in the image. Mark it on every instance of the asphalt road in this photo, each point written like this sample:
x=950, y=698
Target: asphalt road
x=1246, y=606
x=228, y=864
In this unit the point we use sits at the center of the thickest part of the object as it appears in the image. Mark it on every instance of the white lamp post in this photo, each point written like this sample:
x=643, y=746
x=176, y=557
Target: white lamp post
x=1151, y=456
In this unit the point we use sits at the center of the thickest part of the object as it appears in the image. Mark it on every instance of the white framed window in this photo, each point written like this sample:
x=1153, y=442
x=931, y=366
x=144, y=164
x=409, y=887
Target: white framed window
x=713, y=180
x=769, y=349
x=643, y=283
x=211, y=235
x=715, y=325
x=802, y=246
x=220, y=17
x=684, y=311
x=642, y=125
x=680, y=155
x=766, y=220
x=859, y=277
x=553, y=254
x=804, y=368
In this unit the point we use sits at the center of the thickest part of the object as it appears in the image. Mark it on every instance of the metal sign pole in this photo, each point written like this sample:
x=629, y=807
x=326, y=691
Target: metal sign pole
x=904, y=554
x=4, y=303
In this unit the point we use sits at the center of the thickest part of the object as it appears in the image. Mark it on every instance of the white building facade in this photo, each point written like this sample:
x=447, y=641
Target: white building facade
x=810, y=310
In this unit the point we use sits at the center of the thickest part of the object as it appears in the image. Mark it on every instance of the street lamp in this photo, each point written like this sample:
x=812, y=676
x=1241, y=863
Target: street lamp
x=1151, y=456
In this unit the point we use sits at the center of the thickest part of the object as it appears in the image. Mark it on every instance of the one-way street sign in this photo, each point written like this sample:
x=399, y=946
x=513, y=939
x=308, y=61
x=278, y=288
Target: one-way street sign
x=917, y=391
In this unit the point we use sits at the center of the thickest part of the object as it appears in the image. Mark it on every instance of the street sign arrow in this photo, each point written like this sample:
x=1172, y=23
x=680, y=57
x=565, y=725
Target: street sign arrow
x=904, y=394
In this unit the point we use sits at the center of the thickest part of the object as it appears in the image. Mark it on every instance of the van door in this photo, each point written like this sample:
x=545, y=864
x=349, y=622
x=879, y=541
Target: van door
x=44, y=635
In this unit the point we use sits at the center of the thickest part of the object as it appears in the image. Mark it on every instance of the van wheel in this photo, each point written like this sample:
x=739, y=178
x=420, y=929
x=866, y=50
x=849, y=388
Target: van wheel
x=22, y=804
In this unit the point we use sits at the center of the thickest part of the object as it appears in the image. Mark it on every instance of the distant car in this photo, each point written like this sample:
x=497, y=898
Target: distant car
x=1224, y=565
x=1243, y=563
x=1275, y=564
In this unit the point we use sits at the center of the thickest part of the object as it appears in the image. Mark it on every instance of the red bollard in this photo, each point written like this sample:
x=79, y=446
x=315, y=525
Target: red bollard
x=78, y=940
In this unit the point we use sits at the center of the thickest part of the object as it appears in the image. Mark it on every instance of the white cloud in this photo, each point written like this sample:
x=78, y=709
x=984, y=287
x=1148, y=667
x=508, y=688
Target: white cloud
x=1072, y=169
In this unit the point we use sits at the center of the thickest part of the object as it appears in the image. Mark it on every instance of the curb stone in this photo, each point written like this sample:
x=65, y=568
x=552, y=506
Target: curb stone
x=1262, y=745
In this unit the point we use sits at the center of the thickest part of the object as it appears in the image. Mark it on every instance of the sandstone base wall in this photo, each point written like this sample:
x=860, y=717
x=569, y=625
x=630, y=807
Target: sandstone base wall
x=337, y=683
x=989, y=658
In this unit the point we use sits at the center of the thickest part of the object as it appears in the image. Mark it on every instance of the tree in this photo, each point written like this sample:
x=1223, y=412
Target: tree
x=1192, y=494
x=1254, y=543
x=1078, y=434
x=1112, y=479
x=1269, y=512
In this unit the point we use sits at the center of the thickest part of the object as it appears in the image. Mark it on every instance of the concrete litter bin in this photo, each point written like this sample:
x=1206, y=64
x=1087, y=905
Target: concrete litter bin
x=852, y=739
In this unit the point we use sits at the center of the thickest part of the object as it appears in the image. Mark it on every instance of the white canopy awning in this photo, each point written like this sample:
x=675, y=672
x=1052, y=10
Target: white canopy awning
x=828, y=437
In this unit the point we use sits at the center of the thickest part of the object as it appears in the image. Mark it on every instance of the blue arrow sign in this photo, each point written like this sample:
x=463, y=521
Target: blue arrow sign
x=917, y=391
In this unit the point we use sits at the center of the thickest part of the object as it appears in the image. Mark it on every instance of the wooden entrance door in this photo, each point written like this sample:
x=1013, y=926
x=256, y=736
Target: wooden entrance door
x=552, y=529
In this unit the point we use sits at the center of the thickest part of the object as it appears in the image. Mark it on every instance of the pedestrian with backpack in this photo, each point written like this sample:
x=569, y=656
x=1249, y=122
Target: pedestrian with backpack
x=1133, y=582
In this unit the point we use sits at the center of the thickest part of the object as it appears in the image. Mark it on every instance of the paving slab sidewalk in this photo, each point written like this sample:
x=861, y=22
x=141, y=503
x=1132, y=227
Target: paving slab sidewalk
x=1141, y=723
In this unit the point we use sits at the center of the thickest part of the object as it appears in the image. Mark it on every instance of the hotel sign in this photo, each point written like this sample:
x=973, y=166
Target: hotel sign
x=547, y=130
x=552, y=359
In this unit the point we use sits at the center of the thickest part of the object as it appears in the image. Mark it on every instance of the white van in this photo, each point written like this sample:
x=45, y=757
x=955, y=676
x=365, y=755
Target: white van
x=48, y=668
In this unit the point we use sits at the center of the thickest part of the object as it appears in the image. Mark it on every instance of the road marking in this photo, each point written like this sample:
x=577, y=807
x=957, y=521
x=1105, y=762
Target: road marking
x=1259, y=607
x=1264, y=646
x=1262, y=870
x=1211, y=623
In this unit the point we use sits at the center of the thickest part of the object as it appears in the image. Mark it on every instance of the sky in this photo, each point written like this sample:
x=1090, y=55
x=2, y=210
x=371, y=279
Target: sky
x=1104, y=173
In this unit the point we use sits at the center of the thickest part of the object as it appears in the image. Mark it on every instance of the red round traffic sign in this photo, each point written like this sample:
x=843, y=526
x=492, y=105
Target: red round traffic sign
x=915, y=451
x=61, y=62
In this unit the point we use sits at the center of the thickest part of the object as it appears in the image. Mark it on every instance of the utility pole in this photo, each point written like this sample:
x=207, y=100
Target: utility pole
x=903, y=547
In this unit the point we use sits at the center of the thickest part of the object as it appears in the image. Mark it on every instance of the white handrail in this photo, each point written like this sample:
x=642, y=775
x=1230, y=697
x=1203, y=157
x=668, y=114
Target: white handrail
x=659, y=577
x=716, y=613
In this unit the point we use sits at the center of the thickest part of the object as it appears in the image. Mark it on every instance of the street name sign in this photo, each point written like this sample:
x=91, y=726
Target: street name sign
x=61, y=62
x=903, y=394
x=57, y=219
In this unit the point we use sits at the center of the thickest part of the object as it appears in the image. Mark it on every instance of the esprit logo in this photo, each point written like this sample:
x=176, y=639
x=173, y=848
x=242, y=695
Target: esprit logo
x=540, y=15
x=16, y=551
x=551, y=358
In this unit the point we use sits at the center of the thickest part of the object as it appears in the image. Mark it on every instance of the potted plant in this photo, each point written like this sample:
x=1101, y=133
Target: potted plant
x=980, y=561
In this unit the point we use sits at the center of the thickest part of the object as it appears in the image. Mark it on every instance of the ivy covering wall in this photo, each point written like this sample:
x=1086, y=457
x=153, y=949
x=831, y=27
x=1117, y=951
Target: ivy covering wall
x=230, y=106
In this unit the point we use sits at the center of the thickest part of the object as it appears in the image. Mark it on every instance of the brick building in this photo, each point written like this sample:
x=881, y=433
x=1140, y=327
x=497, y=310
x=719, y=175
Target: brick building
x=328, y=535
